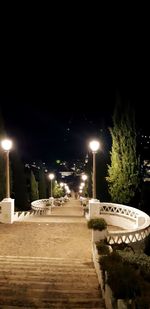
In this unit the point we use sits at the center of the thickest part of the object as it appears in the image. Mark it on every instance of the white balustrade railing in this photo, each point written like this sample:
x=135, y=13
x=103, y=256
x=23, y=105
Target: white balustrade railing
x=21, y=215
x=40, y=204
x=136, y=223
x=44, y=204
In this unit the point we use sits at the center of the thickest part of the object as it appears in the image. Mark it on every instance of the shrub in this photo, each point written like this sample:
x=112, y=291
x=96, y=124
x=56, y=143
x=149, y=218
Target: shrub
x=122, y=246
x=147, y=245
x=102, y=248
x=97, y=224
x=124, y=276
x=138, y=261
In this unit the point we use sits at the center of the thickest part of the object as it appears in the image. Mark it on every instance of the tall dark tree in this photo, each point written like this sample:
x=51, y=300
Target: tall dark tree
x=2, y=162
x=34, y=188
x=19, y=184
x=123, y=172
x=102, y=161
x=42, y=184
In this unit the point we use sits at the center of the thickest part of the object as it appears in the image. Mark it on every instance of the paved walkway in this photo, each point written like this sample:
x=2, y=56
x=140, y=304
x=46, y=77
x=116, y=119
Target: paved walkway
x=62, y=235
x=48, y=264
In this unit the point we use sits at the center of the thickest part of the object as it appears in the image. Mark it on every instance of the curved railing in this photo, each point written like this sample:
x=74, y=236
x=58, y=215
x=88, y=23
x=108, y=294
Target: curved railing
x=135, y=222
x=42, y=205
x=39, y=203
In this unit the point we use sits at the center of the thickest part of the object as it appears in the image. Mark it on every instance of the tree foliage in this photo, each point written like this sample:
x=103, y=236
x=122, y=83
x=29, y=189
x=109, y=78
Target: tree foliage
x=42, y=183
x=57, y=190
x=2, y=162
x=123, y=172
x=19, y=183
x=34, y=188
x=2, y=177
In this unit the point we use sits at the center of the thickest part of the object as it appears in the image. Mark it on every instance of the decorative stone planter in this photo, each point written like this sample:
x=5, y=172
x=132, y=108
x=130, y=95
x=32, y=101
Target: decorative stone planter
x=99, y=235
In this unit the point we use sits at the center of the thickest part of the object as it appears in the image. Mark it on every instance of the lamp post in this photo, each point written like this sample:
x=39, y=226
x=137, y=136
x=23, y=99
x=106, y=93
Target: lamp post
x=94, y=146
x=7, y=145
x=51, y=176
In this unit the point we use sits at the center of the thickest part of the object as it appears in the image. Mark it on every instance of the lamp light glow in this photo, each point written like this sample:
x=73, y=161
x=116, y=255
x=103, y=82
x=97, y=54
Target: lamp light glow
x=51, y=176
x=84, y=177
x=94, y=145
x=6, y=144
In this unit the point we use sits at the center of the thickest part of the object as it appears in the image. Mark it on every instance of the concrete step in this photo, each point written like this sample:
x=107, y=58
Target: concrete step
x=28, y=264
x=49, y=266
x=48, y=283
x=50, y=293
x=47, y=303
x=51, y=285
x=43, y=260
x=47, y=280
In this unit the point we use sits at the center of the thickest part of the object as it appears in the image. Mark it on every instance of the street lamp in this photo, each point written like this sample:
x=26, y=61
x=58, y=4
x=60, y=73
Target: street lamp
x=7, y=145
x=94, y=146
x=51, y=176
x=84, y=177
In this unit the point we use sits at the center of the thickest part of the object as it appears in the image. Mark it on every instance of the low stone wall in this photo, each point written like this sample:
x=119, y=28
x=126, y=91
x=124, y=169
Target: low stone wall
x=106, y=292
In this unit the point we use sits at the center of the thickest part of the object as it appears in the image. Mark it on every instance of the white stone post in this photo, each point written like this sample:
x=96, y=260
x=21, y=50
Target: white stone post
x=7, y=210
x=94, y=208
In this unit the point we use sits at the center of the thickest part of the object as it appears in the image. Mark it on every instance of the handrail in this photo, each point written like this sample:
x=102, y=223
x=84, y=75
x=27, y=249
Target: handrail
x=125, y=211
x=130, y=235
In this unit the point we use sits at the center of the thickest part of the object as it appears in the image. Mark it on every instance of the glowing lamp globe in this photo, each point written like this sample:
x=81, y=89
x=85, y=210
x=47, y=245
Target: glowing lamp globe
x=51, y=176
x=6, y=144
x=94, y=145
x=84, y=177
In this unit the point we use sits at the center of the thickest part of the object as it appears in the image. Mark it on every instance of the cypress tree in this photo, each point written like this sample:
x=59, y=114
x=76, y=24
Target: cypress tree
x=42, y=183
x=34, y=188
x=2, y=162
x=123, y=172
x=19, y=183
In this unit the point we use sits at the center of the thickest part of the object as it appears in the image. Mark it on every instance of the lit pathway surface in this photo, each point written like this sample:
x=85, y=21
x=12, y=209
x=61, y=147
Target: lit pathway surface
x=63, y=234
x=47, y=263
x=71, y=212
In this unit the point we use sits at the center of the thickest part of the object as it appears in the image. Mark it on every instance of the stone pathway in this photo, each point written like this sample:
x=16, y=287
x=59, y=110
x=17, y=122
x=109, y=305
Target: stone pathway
x=37, y=256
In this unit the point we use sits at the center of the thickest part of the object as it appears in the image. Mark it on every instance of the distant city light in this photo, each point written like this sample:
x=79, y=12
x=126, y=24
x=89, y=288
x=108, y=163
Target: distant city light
x=58, y=161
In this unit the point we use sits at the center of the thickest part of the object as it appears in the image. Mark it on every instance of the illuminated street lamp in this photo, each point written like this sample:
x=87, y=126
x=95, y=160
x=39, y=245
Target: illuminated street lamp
x=51, y=176
x=7, y=145
x=84, y=177
x=94, y=146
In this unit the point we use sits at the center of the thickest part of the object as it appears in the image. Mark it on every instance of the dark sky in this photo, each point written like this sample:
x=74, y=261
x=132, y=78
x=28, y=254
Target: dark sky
x=64, y=74
x=52, y=109
x=48, y=128
x=49, y=132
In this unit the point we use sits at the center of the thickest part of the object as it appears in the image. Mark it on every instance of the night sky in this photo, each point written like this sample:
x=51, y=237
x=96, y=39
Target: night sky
x=58, y=81
x=52, y=114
